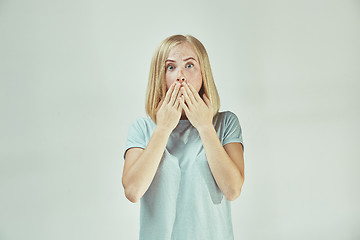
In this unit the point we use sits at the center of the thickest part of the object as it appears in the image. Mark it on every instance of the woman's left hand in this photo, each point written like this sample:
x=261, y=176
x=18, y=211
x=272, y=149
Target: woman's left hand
x=198, y=111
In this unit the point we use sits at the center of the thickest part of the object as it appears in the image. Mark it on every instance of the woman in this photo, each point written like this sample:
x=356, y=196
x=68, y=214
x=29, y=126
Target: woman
x=185, y=161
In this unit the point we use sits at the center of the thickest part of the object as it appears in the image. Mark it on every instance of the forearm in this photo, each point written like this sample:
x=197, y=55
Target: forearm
x=227, y=175
x=143, y=170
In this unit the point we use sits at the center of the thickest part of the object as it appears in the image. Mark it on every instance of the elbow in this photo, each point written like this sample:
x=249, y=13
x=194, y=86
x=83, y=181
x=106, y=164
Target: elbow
x=131, y=195
x=130, y=192
x=132, y=198
x=233, y=195
x=235, y=192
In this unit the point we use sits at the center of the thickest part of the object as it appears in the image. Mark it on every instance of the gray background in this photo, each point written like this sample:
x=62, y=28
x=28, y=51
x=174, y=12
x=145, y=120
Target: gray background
x=73, y=77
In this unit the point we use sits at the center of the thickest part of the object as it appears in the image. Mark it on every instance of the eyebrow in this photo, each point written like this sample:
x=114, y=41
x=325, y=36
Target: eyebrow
x=185, y=59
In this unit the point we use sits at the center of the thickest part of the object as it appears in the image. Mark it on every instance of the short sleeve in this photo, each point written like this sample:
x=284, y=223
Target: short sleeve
x=136, y=136
x=232, y=132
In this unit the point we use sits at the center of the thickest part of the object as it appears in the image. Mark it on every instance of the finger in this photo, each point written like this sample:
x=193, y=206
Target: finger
x=183, y=105
x=177, y=99
x=179, y=93
x=207, y=101
x=209, y=104
x=160, y=103
x=190, y=93
x=169, y=92
x=174, y=94
x=191, y=88
x=177, y=104
x=186, y=95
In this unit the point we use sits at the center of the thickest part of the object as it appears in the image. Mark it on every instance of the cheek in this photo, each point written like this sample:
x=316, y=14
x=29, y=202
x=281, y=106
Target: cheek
x=198, y=82
x=169, y=79
x=168, y=83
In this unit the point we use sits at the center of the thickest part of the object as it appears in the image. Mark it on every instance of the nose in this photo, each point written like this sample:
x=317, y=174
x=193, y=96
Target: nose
x=180, y=76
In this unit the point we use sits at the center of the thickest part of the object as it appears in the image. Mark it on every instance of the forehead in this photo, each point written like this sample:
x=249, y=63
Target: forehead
x=183, y=50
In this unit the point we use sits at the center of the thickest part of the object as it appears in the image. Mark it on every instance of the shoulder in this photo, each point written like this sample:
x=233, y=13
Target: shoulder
x=227, y=116
x=230, y=114
x=142, y=122
x=137, y=121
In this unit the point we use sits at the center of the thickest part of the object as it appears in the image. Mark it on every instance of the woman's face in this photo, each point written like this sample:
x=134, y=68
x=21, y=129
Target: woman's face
x=183, y=64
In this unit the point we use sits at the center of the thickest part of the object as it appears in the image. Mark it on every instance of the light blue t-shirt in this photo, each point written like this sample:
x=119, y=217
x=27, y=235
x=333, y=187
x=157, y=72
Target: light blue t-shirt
x=183, y=201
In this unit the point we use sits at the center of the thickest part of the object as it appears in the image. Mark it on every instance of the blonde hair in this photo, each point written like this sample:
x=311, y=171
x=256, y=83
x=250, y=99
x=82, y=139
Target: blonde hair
x=156, y=87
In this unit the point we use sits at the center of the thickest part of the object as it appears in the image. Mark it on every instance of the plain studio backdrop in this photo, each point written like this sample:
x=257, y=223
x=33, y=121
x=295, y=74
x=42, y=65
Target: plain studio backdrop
x=73, y=78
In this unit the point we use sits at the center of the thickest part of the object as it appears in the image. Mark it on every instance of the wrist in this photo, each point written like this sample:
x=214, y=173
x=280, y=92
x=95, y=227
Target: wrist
x=162, y=130
x=205, y=128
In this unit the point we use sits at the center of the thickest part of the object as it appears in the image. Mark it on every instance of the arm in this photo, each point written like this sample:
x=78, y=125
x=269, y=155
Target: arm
x=226, y=163
x=141, y=164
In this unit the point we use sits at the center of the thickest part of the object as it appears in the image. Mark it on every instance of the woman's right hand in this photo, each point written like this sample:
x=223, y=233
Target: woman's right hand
x=168, y=111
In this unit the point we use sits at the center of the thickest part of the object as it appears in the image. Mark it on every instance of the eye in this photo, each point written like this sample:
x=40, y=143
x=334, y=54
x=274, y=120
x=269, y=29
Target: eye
x=189, y=65
x=170, y=67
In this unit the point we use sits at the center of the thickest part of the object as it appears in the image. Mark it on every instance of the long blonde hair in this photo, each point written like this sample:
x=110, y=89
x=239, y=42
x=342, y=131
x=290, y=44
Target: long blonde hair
x=156, y=87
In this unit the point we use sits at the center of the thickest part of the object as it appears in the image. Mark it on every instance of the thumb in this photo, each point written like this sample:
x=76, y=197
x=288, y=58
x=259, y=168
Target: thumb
x=161, y=101
x=159, y=104
x=207, y=101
